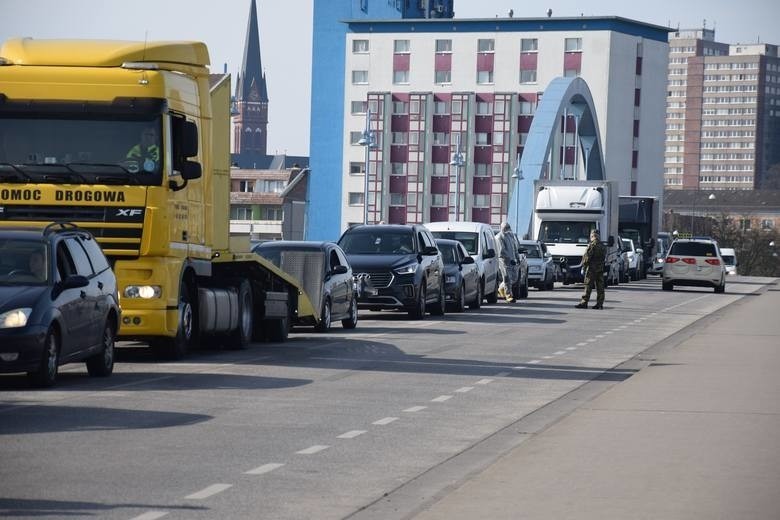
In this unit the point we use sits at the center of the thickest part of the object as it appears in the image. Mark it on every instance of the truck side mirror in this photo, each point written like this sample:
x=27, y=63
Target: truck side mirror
x=190, y=170
x=189, y=140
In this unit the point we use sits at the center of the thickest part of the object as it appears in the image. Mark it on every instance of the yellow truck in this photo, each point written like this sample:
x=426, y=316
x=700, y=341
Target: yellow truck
x=130, y=140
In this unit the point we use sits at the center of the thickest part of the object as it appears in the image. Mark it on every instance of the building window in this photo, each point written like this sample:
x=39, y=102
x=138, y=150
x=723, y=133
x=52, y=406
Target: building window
x=401, y=46
x=400, y=77
x=744, y=224
x=484, y=108
x=439, y=200
x=481, y=201
x=482, y=138
x=485, y=77
x=443, y=76
x=571, y=73
x=529, y=45
x=355, y=198
x=397, y=199
x=359, y=77
x=241, y=212
x=273, y=186
x=481, y=170
x=443, y=45
x=246, y=186
x=414, y=138
x=358, y=107
x=274, y=214
x=528, y=76
x=354, y=137
x=767, y=224
x=359, y=46
x=357, y=168
x=397, y=168
x=573, y=44
x=399, y=137
x=400, y=107
x=441, y=138
x=440, y=107
x=440, y=170
x=486, y=45
x=526, y=108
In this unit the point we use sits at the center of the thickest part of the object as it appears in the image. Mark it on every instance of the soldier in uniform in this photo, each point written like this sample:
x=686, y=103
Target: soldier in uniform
x=506, y=251
x=593, y=263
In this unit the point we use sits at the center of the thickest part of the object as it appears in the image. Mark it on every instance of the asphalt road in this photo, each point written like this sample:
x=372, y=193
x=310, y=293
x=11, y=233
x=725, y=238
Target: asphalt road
x=324, y=425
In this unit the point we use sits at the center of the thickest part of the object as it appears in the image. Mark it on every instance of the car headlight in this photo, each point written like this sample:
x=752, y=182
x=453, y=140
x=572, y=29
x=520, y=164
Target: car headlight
x=15, y=318
x=451, y=278
x=406, y=269
x=145, y=292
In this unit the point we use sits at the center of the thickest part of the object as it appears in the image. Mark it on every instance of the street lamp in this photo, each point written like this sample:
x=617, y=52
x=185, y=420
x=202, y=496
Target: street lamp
x=517, y=175
x=366, y=140
x=458, y=162
x=693, y=212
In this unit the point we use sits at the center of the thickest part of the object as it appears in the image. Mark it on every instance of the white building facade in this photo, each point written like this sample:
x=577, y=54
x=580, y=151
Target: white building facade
x=428, y=85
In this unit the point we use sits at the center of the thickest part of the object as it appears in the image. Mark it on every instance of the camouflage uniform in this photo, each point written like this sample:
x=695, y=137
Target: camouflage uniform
x=507, y=260
x=593, y=263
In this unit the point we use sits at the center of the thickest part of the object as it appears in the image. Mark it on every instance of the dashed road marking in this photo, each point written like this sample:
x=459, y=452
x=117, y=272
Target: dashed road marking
x=484, y=382
x=581, y=344
x=351, y=434
x=209, y=491
x=385, y=421
x=464, y=389
x=590, y=340
x=560, y=352
x=534, y=361
x=571, y=348
x=609, y=332
x=150, y=515
x=265, y=468
x=504, y=374
x=414, y=409
x=599, y=335
x=441, y=398
x=311, y=450
x=547, y=357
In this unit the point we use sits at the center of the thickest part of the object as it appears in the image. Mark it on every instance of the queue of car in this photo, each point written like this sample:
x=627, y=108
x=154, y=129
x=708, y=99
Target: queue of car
x=59, y=302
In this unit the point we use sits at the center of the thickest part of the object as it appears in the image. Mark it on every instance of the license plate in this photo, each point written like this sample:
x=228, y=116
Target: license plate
x=698, y=268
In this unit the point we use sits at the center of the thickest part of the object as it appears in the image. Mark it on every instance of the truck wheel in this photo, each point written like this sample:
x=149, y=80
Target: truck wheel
x=46, y=374
x=242, y=336
x=277, y=331
x=186, y=333
x=102, y=363
x=325, y=318
x=351, y=321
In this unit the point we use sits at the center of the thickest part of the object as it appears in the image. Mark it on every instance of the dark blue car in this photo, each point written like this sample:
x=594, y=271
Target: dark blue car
x=58, y=302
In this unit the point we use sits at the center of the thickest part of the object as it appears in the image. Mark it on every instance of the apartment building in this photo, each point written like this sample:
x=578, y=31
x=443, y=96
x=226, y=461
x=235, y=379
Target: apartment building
x=723, y=114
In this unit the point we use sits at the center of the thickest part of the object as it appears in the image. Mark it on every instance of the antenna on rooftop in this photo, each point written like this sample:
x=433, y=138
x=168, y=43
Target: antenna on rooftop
x=549, y=13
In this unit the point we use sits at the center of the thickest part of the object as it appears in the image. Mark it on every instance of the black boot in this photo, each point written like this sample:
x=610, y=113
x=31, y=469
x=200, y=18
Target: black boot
x=597, y=306
x=581, y=305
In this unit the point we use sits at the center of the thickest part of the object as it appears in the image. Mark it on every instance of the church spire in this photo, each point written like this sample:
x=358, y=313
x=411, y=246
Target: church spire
x=251, y=84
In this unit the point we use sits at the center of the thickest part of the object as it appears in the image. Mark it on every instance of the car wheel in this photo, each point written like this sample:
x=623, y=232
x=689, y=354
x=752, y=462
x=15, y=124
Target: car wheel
x=102, y=363
x=324, y=324
x=720, y=289
x=667, y=286
x=439, y=308
x=418, y=311
x=242, y=336
x=524, y=289
x=351, y=321
x=492, y=297
x=460, y=303
x=551, y=284
x=46, y=374
x=477, y=303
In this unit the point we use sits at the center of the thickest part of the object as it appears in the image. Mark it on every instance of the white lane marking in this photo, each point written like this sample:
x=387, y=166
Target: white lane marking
x=637, y=321
x=609, y=332
x=547, y=357
x=464, y=389
x=265, y=468
x=623, y=327
x=519, y=368
x=504, y=374
x=590, y=340
x=484, y=382
x=386, y=420
x=571, y=348
x=581, y=344
x=351, y=434
x=559, y=353
x=209, y=491
x=150, y=515
x=415, y=409
x=311, y=450
x=653, y=314
x=616, y=329
x=534, y=361
x=441, y=398
x=599, y=335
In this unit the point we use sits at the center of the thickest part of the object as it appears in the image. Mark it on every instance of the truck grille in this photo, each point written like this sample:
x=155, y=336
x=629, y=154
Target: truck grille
x=573, y=261
x=118, y=230
x=380, y=279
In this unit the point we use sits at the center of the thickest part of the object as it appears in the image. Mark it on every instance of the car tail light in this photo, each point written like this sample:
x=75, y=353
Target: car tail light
x=672, y=259
x=689, y=261
x=713, y=261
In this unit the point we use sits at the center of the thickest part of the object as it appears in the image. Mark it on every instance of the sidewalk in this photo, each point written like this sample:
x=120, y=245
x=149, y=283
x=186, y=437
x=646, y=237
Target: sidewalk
x=695, y=435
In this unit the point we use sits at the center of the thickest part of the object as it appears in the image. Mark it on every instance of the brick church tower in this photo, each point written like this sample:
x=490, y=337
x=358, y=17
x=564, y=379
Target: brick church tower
x=250, y=119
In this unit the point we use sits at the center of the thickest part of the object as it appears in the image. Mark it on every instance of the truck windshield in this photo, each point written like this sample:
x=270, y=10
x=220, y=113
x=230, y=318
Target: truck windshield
x=99, y=150
x=567, y=232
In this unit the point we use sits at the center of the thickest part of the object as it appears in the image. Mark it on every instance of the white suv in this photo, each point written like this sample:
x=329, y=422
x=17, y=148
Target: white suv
x=696, y=263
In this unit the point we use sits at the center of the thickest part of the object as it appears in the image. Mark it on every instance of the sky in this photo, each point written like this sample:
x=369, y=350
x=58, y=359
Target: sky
x=286, y=40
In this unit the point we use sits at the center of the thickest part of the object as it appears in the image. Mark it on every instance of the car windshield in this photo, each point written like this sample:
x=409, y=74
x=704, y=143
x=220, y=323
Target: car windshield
x=572, y=232
x=627, y=245
x=23, y=262
x=377, y=242
x=469, y=240
x=693, y=249
x=532, y=251
x=728, y=259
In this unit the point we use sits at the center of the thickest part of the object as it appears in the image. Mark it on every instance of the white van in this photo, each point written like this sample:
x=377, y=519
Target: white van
x=477, y=238
x=729, y=259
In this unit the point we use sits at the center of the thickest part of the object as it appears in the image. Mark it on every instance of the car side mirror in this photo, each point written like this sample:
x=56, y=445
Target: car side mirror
x=490, y=253
x=467, y=260
x=430, y=251
x=75, y=281
x=522, y=251
x=548, y=254
x=339, y=269
x=640, y=250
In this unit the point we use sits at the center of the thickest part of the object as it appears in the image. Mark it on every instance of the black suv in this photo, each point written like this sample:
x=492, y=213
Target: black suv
x=58, y=302
x=403, y=265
